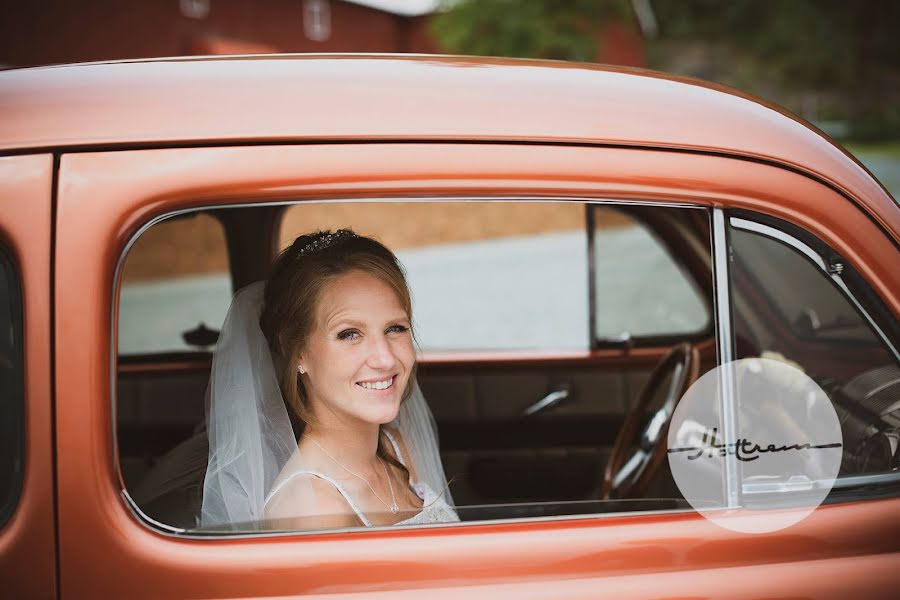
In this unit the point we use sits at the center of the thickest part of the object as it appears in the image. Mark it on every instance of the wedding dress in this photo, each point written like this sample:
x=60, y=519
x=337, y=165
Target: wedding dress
x=435, y=509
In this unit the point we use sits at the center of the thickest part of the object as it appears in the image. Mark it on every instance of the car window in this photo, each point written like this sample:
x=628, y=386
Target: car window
x=641, y=291
x=175, y=287
x=12, y=388
x=792, y=303
x=526, y=412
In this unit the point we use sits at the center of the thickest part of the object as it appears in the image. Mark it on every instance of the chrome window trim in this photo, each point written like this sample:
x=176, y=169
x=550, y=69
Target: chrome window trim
x=181, y=533
x=752, y=489
x=812, y=255
x=866, y=479
x=725, y=350
x=142, y=517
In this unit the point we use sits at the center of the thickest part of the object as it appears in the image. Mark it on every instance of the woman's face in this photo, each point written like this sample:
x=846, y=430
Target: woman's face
x=360, y=353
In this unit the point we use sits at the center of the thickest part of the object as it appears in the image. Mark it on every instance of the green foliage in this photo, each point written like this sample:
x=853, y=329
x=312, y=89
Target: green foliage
x=561, y=29
x=842, y=54
x=819, y=44
x=835, y=60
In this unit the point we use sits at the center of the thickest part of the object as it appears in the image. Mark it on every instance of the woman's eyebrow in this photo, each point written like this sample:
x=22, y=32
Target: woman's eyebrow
x=343, y=321
x=354, y=323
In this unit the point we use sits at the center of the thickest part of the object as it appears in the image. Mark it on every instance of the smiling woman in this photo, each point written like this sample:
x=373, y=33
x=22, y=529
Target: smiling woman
x=306, y=379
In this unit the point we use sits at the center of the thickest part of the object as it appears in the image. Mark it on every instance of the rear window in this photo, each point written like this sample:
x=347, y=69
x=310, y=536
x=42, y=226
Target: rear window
x=175, y=287
x=640, y=289
x=12, y=388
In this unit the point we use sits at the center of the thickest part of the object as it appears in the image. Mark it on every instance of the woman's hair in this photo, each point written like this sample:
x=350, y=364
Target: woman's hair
x=295, y=285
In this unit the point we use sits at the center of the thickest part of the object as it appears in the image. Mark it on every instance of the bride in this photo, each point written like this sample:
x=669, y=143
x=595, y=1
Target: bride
x=315, y=417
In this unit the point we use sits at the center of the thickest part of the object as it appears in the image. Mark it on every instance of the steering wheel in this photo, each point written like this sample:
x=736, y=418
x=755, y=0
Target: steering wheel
x=640, y=447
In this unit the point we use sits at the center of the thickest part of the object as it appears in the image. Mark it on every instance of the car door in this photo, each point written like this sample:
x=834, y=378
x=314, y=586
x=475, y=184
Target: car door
x=27, y=521
x=108, y=547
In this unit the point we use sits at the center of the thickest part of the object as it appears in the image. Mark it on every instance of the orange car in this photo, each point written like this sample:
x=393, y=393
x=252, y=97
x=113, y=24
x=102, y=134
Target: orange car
x=566, y=228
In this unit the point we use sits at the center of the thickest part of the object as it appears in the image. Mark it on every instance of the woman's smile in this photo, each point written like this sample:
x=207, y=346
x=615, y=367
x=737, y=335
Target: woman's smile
x=378, y=385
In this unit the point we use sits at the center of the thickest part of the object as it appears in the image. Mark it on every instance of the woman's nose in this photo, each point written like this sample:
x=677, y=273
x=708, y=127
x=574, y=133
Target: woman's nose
x=381, y=355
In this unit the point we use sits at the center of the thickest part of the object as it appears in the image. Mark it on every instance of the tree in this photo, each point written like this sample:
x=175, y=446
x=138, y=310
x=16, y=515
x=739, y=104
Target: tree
x=815, y=43
x=837, y=48
x=560, y=29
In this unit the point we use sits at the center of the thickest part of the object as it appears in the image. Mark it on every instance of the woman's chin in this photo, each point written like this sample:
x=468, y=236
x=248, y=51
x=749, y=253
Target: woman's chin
x=380, y=406
x=387, y=413
x=380, y=411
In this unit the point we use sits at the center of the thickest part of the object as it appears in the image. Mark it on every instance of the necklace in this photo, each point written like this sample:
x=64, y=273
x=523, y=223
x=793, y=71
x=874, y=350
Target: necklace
x=392, y=506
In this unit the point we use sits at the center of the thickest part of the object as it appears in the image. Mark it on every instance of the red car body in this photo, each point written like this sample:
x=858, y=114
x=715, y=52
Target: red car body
x=89, y=154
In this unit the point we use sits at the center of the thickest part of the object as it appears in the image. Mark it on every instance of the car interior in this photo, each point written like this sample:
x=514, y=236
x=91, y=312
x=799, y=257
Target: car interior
x=525, y=432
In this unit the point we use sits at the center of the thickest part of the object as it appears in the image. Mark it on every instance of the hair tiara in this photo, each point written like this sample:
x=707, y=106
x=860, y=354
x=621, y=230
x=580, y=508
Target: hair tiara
x=325, y=240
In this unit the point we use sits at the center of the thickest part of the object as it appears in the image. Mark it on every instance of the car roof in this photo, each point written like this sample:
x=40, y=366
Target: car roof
x=292, y=98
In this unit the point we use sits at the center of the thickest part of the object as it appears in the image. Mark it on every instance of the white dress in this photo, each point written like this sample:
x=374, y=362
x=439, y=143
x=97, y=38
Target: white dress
x=434, y=508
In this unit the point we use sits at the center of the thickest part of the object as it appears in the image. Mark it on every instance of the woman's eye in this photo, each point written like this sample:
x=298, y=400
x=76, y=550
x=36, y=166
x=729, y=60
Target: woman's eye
x=398, y=329
x=348, y=334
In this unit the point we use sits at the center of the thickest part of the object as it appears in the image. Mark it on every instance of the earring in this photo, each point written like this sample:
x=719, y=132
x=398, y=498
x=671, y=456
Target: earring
x=300, y=368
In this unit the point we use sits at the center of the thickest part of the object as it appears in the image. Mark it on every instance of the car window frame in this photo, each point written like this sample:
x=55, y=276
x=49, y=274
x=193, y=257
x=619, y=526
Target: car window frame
x=184, y=533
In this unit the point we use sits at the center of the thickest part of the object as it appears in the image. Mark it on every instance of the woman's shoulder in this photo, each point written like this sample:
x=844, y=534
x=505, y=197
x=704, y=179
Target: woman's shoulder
x=306, y=500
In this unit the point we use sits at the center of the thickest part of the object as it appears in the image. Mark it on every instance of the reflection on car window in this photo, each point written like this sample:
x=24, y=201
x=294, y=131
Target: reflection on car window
x=175, y=287
x=806, y=301
x=787, y=308
x=641, y=291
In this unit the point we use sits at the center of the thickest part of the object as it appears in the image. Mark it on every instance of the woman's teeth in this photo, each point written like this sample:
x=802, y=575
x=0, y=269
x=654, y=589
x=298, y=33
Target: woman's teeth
x=377, y=385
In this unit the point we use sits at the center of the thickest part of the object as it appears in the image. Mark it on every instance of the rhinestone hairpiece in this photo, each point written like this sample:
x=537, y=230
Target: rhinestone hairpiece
x=330, y=239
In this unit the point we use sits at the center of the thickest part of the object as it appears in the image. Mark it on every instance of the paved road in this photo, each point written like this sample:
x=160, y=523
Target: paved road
x=511, y=293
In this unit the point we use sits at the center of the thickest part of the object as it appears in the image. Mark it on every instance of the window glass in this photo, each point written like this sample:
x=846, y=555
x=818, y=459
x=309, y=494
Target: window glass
x=175, y=287
x=640, y=290
x=12, y=389
x=526, y=414
x=787, y=308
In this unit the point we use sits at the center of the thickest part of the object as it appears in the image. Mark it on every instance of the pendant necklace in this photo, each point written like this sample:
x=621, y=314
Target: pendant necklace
x=392, y=506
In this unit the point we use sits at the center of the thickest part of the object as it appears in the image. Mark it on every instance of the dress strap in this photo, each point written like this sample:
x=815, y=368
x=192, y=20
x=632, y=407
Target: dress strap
x=330, y=480
x=396, y=447
x=399, y=455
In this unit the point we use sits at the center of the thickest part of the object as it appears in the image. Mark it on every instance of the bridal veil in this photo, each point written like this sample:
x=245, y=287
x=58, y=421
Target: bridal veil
x=250, y=433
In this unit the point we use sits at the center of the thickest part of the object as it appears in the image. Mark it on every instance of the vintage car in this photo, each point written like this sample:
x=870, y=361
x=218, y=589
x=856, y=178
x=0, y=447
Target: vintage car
x=572, y=233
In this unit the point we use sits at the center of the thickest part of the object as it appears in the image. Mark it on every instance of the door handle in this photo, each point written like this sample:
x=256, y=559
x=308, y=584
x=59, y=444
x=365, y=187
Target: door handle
x=548, y=401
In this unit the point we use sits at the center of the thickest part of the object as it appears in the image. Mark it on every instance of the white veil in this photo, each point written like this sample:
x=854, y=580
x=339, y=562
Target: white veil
x=250, y=433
